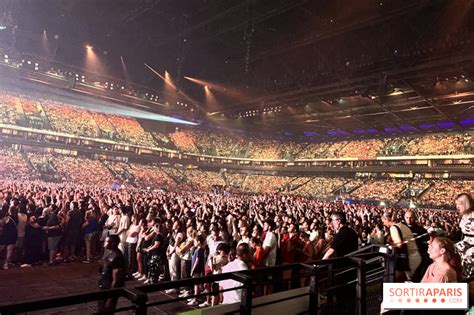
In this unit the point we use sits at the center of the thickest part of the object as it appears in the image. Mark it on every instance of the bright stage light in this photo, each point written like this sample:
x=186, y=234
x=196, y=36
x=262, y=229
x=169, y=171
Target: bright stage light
x=92, y=62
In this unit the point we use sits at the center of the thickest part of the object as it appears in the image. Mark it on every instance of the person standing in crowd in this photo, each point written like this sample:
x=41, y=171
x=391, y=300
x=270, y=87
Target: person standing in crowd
x=242, y=262
x=174, y=261
x=112, y=273
x=465, y=248
x=8, y=239
x=72, y=235
x=289, y=243
x=345, y=241
x=53, y=232
x=124, y=224
x=139, y=250
x=156, y=253
x=403, y=241
x=197, y=265
x=33, y=242
x=377, y=236
x=185, y=253
x=422, y=238
x=131, y=245
x=258, y=254
x=215, y=265
x=269, y=244
x=213, y=240
x=90, y=227
x=21, y=226
x=146, y=243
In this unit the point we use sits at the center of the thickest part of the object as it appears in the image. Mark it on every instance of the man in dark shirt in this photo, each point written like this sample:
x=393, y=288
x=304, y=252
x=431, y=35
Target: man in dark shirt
x=74, y=221
x=421, y=242
x=345, y=241
x=112, y=274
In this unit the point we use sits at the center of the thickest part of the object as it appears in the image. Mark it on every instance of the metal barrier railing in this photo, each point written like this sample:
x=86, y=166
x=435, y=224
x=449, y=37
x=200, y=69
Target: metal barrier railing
x=323, y=278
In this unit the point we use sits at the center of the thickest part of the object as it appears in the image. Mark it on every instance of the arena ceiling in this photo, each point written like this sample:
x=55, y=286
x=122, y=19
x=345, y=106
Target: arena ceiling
x=336, y=67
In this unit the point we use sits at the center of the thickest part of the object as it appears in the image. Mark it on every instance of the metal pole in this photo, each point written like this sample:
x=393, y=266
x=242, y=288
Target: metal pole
x=330, y=294
x=246, y=297
x=139, y=300
x=362, y=287
x=313, y=306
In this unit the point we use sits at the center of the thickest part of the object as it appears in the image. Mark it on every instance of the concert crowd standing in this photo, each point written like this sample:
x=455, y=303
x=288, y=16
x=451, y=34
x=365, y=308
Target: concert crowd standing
x=177, y=235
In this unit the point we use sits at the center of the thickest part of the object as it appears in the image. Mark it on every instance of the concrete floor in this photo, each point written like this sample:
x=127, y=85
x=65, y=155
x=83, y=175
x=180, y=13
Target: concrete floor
x=37, y=282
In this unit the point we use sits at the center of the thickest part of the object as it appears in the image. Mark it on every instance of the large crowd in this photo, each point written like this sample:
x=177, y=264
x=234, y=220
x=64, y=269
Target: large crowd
x=73, y=120
x=82, y=170
x=177, y=234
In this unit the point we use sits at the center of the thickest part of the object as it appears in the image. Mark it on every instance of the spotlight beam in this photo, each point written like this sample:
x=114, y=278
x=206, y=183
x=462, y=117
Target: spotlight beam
x=220, y=88
x=155, y=72
x=125, y=71
x=167, y=80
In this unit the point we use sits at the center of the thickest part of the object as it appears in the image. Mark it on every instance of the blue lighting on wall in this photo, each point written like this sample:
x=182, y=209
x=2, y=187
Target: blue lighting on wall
x=359, y=131
x=310, y=133
x=337, y=133
x=372, y=130
x=408, y=128
x=446, y=124
x=391, y=130
x=427, y=126
x=467, y=122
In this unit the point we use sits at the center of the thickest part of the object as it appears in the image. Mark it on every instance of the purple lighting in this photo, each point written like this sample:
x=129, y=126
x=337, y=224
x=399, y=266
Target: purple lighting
x=337, y=133
x=467, y=122
x=446, y=124
x=427, y=126
x=391, y=130
x=407, y=128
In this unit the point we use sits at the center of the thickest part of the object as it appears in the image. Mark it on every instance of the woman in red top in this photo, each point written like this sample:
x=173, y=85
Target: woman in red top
x=258, y=254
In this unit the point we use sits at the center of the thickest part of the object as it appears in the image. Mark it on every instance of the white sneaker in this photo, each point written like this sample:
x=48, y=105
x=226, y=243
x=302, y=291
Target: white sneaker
x=184, y=294
x=5, y=266
x=193, y=302
x=148, y=281
x=138, y=276
x=205, y=304
x=25, y=265
x=171, y=291
x=142, y=278
x=135, y=274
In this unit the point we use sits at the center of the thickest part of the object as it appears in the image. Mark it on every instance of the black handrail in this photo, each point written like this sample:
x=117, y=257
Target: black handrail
x=138, y=296
x=134, y=296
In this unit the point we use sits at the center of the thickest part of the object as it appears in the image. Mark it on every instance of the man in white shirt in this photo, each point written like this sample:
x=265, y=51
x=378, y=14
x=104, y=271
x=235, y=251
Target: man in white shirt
x=213, y=240
x=242, y=262
x=269, y=244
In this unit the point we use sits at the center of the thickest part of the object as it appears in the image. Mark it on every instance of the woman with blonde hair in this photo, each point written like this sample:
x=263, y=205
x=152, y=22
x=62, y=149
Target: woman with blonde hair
x=465, y=247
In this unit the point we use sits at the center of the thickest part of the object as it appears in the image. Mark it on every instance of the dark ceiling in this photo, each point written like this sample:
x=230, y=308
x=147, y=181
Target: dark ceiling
x=332, y=66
